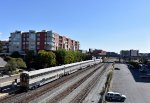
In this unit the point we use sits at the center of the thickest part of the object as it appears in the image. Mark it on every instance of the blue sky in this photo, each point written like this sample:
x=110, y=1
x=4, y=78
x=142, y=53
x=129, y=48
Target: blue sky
x=111, y=25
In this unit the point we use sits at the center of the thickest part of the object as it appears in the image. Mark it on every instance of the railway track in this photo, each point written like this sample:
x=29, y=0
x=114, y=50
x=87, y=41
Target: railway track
x=83, y=93
x=25, y=97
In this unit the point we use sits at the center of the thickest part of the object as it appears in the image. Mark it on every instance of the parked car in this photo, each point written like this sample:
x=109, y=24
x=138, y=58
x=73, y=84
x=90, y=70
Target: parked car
x=114, y=96
x=130, y=66
x=143, y=68
x=145, y=76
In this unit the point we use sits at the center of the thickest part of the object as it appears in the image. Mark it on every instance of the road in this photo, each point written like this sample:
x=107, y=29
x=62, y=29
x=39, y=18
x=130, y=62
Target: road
x=124, y=82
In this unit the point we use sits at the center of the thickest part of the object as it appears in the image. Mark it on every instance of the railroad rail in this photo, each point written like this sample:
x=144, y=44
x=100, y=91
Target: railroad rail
x=60, y=96
x=82, y=95
x=31, y=95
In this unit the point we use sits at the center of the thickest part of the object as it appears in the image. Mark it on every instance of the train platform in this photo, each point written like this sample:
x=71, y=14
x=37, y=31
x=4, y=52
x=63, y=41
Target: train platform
x=8, y=89
x=9, y=78
x=4, y=76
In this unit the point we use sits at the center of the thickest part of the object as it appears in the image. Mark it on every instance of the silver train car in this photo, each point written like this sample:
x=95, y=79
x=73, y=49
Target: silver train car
x=34, y=79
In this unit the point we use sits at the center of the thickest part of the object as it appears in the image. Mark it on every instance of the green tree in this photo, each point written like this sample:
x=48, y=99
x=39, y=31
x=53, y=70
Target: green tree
x=65, y=57
x=76, y=56
x=79, y=56
x=15, y=54
x=60, y=56
x=143, y=60
x=69, y=58
x=7, y=58
x=30, y=55
x=41, y=59
x=1, y=46
x=20, y=63
x=11, y=65
x=30, y=59
x=15, y=64
x=51, y=59
x=87, y=57
x=46, y=59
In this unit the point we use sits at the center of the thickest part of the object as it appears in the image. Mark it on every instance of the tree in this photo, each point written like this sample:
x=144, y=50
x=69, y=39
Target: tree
x=30, y=59
x=51, y=59
x=7, y=58
x=15, y=54
x=11, y=65
x=1, y=46
x=30, y=55
x=79, y=56
x=87, y=56
x=20, y=63
x=76, y=55
x=69, y=58
x=40, y=59
x=65, y=57
x=143, y=60
x=46, y=59
x=60, y=56
x=14, y=64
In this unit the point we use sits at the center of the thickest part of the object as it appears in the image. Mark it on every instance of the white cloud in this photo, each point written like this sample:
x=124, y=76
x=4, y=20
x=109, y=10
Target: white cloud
x=0, y=33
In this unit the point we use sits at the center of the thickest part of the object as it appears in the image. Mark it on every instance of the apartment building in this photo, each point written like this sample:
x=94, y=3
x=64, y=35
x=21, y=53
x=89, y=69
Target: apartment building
x=40, y=40
x=134, y=53
x=5, y=46
x=125, y=53
x=15, y=41
x=66, y=43
x=28, y=41
x=129, y=53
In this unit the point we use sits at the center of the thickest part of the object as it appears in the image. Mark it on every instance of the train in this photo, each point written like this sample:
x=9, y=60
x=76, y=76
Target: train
x=34, y=79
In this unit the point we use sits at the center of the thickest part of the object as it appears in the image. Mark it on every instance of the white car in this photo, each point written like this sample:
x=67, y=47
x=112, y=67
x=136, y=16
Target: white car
x=115, y=96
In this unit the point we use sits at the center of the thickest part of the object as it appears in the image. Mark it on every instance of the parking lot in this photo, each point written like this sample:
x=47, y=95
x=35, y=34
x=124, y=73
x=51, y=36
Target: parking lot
x=128, y=82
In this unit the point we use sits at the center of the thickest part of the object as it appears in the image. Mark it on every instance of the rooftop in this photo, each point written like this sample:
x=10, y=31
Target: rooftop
x=2, y=62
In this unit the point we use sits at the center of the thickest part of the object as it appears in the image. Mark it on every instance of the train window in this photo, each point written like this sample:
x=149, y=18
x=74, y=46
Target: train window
x=24, y=77
x=34, y=76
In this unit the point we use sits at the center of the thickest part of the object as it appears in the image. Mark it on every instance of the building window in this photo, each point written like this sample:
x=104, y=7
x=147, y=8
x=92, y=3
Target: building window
x=38, y=39
x=38, y=43
x=38, y=47
x=24, y=39
x=38, y=34
x=32, y=36
x=50, y=43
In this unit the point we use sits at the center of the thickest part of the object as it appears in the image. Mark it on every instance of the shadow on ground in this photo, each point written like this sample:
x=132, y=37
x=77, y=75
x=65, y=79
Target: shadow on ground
x=137, y=75
x=114, y=101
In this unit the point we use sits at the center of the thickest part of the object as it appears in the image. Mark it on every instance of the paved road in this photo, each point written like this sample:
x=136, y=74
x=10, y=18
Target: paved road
x=137, y=91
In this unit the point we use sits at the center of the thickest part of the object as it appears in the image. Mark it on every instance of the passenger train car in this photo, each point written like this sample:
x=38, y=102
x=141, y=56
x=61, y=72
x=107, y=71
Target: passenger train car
x=34, y=79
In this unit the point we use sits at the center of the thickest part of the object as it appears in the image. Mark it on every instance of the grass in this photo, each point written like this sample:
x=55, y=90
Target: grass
x=108, y=81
